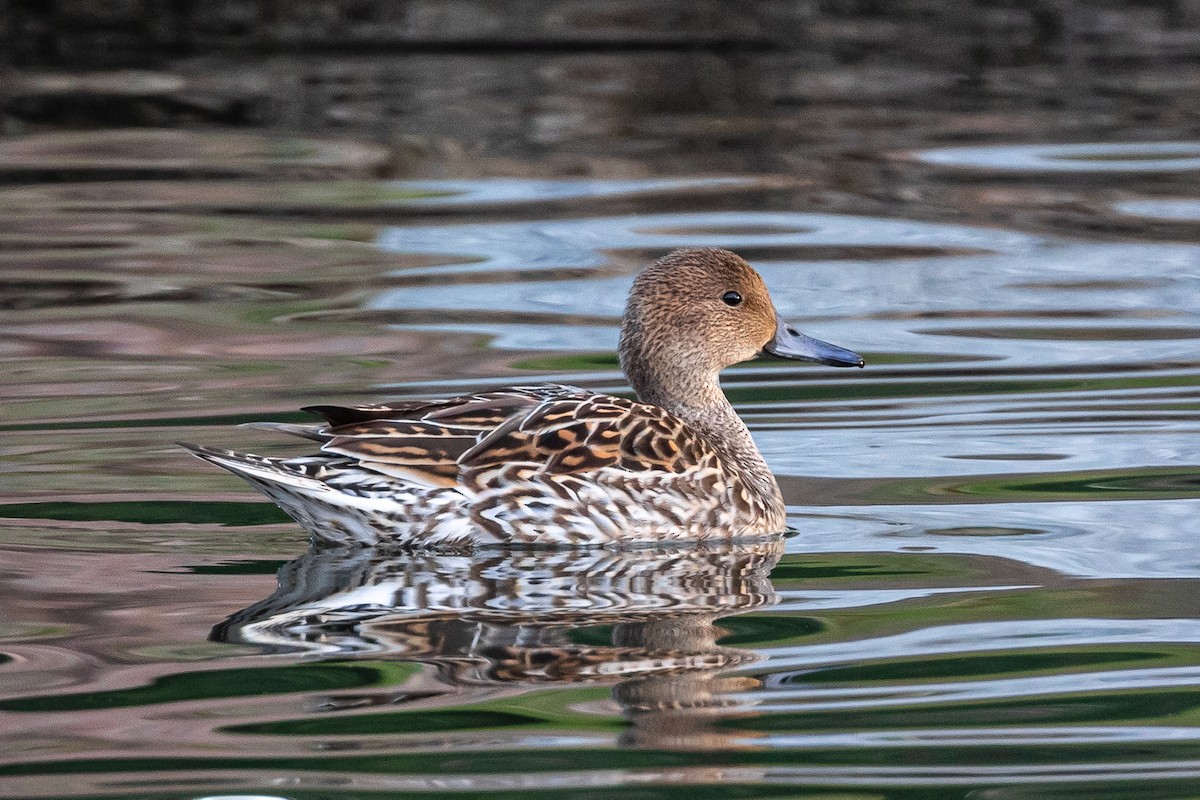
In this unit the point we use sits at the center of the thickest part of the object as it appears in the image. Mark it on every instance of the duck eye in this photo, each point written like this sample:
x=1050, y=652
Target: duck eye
x=731, y=298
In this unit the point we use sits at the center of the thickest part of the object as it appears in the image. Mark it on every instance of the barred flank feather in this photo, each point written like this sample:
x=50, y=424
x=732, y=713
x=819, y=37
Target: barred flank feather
x=547, y=464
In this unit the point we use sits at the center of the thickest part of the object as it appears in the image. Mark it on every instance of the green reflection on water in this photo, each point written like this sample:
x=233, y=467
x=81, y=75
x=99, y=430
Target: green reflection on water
x=482, y=762
x=1184, y=481
x=802, y=567
x=545, y=711
x=1137, y=483
x=453, y=719
x=1162, y=789
x=157, y=512
x=688, y=791
x=975, y=666
x=225, y=683
x=758, y=630
x=583, y=361
x=1151, y=707
x=838, y=570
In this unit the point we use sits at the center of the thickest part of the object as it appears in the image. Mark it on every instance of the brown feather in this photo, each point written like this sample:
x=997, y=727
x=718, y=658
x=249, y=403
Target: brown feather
x=402, y=449
x=579, y=435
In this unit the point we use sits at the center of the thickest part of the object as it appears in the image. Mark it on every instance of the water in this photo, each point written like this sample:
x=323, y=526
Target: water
x=990, y=587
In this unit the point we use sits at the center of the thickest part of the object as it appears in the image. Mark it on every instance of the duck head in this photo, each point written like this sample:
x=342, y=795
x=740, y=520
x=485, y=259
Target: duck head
x=698, y=310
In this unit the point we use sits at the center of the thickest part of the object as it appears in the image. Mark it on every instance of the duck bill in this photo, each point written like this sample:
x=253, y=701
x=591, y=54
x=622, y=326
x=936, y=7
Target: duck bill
x=791, y=343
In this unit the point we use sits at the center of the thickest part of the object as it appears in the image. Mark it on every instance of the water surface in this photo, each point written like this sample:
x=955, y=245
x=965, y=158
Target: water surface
x=987, y=589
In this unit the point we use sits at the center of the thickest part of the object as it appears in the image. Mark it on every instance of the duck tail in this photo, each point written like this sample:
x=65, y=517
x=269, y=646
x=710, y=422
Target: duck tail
x=302, y=496
x=337, y=503
x=258, y=470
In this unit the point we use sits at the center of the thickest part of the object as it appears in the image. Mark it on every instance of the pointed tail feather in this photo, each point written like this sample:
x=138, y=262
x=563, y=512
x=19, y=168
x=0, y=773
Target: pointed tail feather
x=295, y=492
x=317, y=432
x=258, y=470
x=340, y=502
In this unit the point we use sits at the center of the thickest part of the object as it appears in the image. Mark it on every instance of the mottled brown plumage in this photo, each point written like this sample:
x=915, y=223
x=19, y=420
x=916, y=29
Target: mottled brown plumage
x=557, y=464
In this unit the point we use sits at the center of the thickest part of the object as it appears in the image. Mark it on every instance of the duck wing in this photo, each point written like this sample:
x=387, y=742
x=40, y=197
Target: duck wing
x=424, y=440
x=479, y=439
x=483, y=411
x=571, y=435
x=590, y=470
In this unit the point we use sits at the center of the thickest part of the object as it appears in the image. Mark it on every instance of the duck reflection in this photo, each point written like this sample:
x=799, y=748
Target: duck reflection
x=642, y=620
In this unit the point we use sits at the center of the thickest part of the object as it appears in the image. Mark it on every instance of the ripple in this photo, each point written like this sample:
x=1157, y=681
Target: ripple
x=356, y=197
x=1070, y=158
x=209, y=685
x=1073, y=333
x=57, y=294
x=725, y=230
x=52, y=226
x=153, y=513
x=1012, y=457
x=543, y=268
x=1091, y=285
x=177, y=152
x=581, y=243
x=1106, y=539
x=984, y=531
x=390, y=596
x=936, y=627
x=215, y=259
x=1181, y=210
x=561, y=284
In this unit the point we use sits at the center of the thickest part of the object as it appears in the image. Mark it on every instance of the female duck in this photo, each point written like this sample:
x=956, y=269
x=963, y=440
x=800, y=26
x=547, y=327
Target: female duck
x=554, y=464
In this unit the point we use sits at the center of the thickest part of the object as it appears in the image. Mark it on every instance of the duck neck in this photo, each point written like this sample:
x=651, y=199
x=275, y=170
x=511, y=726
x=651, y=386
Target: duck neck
x=699, y=401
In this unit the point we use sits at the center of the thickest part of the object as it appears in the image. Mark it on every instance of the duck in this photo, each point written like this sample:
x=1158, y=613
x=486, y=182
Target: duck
x=555, y=465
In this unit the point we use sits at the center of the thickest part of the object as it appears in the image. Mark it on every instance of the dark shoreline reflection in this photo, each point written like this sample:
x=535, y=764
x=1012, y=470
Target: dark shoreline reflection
x=641, y=620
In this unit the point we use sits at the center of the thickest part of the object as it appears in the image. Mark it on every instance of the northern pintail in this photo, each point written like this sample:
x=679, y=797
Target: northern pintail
x=558, y=465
